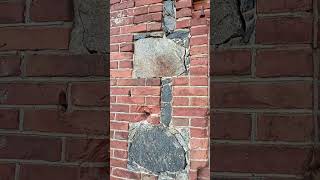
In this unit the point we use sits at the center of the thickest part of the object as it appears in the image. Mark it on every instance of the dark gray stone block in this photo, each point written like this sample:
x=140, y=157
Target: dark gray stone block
x=89, y=34
x=169, y=16
x=233, y=22
x=155, y=149
x=166, y=114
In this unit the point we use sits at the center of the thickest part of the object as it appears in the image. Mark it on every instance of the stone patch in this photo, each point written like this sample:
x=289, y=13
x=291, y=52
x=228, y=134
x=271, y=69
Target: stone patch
x=233, y=22
x=89, y=34
x=158, y=57
x=169, y=16
x=157, y=150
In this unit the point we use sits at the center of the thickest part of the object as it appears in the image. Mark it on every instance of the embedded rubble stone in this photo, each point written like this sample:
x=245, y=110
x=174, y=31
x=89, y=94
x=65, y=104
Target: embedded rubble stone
x=89, y=34
x=155, y=149
x=166, y=98
x=158, y=57
x=169, y=16
x=233, y=22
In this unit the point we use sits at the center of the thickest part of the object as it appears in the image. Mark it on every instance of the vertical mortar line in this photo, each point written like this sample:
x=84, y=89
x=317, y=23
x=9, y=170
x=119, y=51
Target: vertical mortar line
x=23, y=66
x=17, y=172
x=63, y=149
x=253, y=62
x=69, y=103
x=21, y=119
x=27, y=18
x=253, y=127
x=316, y=70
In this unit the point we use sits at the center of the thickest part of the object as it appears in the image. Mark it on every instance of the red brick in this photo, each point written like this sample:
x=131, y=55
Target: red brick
x=199, y=154
x=9, y=119
x=199, y=40
x=259, y=159
x=198, y=101
x=126, y=64
x=130, y=117
x=154, y=91
x=198, y=133
x=199, y=30
x=185, y=23
x=180, y=81
x=120, y=154
x=277, y=6
x=9, y=66
x=131, y=82
x=154, y=26
x=119, y=108
x=121, y=135
x=199, y=122
x=273, y=127
x=76, y=122
x=190, y=111
x=118, y=163
x=155, y=8
x=7, y=171
x=31, y=93
x=146, y=2
x=197, y=50
x=180, y=121
x=121, y=56
x=230, y=62
x=122, y=5
x=262, y=95
x=34, y=38
x=121, y=73
x=41, y=172
x=65, y=65
x=180, y=101
x=184, y=12
x=191, y=91
x=116, y=22
x=114, y=48
x=90, y=94
x=119, y=91
x=230, y=126
x=114, y=31
x=152, y=100
x=130, y=100
x=125, y=174
x=280, y=30
x=198, y=81
x=121, y=38
x=118, y=144
x=48, y=10
x=184, y=4
x=30, y=148
x=126, y=47
x=147, y=18
x=11, y=12
x=119, y=126
x=279, y=63
x=133, y=29
x=87, y=150
x=198, y=144
x=140, y=10
x=153, y=82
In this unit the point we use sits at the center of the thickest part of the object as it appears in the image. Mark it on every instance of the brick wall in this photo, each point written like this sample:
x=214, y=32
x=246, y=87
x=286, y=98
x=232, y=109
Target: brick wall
x=53, y=109
x=264, y=97
x=132, y=99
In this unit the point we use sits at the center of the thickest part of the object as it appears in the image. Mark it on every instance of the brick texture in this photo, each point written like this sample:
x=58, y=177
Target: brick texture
x=264, y=97
x=54, y=121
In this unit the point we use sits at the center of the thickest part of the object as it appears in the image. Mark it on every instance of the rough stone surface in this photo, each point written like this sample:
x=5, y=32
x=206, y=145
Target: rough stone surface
x=233, y=22
x=169, y=16
x=158, y=57
x=180, y=37
x=89, y=34
x=155, y=149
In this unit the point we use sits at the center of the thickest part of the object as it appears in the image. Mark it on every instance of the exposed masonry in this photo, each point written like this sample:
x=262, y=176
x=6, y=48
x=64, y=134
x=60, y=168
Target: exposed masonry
x=86, y=37
x=161, y=150
x=234, y=22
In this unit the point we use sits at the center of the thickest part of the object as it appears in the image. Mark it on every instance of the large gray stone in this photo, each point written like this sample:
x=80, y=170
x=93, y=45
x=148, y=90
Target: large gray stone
x=90, y=28
x=155, y=149
x=233, y=22
x=158, y=57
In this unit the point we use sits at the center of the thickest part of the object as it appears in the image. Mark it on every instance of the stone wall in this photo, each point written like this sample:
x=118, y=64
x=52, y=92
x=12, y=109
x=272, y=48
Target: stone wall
x=53, y=95
x=264, y=89
x=159, y=89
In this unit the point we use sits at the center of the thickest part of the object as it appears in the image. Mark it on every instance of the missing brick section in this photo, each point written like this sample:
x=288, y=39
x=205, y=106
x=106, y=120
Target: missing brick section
x=233, y=22
x=162, y=149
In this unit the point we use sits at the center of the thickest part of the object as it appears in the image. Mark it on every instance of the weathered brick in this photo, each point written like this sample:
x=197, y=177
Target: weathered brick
x=275, y=30
x=90, y=94
x=280, y=63
x=262, y=95
x=48, y=10
x=258, y=158
x=277, y=6
x=91, y=173
x=76, y=122
x=146, y=2
x=9, y=119
x=277, y=127
x=11, y=12
x=230, y=126
x=10, y=66
x=65, y=65
x=31, y=93
x=40, y=172
x=30, y=148
x=7, y=171
x=34, y=38
x=230, y=62
x=86, y=150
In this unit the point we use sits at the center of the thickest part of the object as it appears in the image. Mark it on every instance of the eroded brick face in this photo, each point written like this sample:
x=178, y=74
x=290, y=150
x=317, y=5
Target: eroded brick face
x=159, y=90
